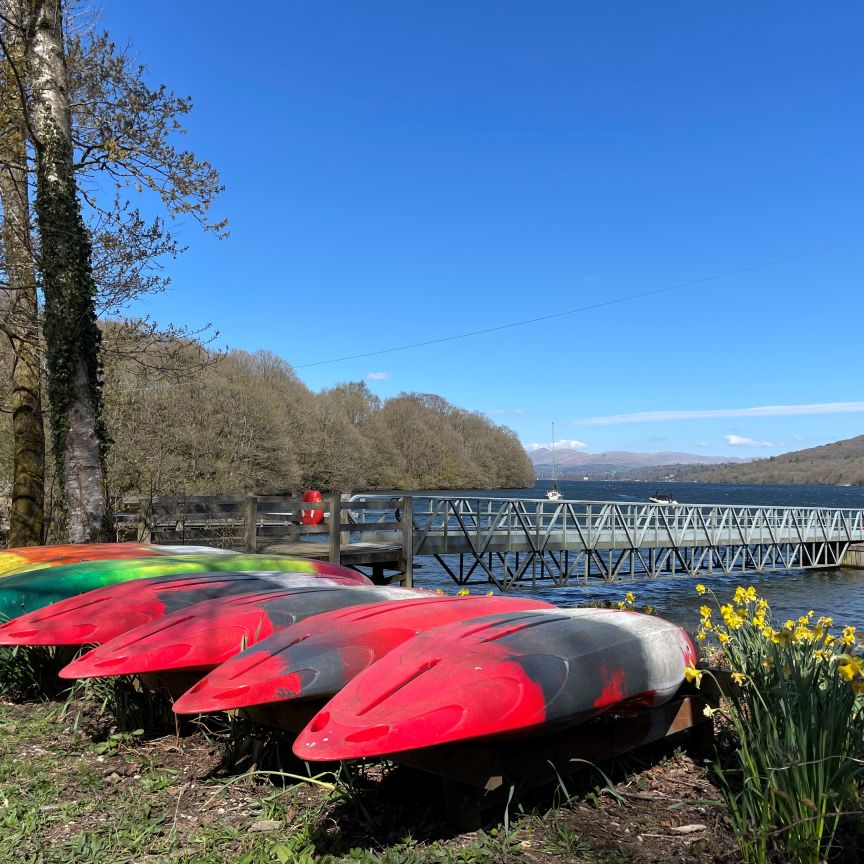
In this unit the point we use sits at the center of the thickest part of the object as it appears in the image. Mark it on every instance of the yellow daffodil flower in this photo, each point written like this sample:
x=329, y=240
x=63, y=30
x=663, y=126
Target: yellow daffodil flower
x=693, y=675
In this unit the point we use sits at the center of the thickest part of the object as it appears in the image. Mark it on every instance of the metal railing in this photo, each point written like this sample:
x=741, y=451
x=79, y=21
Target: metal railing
x=507, y=541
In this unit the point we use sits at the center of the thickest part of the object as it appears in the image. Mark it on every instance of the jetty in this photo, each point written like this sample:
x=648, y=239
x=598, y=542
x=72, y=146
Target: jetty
x=510, y=542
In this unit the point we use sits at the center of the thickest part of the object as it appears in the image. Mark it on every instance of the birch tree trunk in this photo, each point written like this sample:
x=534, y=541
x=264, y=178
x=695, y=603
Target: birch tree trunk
x=20, y=310
x=72, y=337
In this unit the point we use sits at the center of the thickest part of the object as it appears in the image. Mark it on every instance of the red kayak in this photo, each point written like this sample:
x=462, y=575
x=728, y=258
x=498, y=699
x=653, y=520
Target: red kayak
x=502, y=674
x=207, y=634
x=100, y=615
x=316, y=658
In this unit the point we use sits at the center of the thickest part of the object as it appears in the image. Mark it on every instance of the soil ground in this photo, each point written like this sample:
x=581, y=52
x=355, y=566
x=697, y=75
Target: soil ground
x=74, y=790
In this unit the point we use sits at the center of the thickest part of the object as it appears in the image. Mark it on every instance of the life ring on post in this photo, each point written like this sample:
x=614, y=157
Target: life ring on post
x=312, y=517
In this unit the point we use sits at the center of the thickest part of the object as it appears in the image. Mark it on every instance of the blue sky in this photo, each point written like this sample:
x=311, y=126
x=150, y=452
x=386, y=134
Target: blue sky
x=400, y=172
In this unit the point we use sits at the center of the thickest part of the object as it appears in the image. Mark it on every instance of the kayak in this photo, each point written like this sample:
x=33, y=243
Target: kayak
x=39, y=557
x=316, y=658
x=102, y=614
x=498, y=675
x=207, y=634
x=24, y=592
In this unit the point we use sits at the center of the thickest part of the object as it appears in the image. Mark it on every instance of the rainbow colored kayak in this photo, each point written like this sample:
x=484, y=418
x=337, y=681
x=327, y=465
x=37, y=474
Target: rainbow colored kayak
x=100, y=615
x=40, y=557
x=24, y=592
x=316, y=658
x=501, y=674
x=207, y=634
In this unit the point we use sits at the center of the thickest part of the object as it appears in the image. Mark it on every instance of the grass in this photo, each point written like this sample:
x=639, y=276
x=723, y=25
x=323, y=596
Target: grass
x=73, y=788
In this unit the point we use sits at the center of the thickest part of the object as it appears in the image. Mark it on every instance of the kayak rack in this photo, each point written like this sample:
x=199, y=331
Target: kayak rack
x=477, y=777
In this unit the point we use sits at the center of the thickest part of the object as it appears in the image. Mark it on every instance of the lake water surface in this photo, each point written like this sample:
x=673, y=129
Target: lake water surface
x=838, y=593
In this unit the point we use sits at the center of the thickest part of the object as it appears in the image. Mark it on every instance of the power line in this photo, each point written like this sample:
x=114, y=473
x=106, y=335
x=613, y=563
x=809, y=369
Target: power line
x=604, y=303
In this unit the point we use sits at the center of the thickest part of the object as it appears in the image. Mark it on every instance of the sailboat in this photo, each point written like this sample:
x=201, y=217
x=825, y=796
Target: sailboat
x=554, y=494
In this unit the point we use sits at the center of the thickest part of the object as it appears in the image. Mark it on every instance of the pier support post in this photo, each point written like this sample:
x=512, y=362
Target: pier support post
x=335, y=528
x=250, y=544
x=407, y=541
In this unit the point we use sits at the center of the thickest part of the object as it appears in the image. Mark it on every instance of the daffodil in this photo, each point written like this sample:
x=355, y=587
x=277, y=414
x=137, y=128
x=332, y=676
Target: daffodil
x=693, y=675
x=723, y=637
x=463, y=592
x=705, y=611
x=739, y=678
x=850, y=669
x=630, y=597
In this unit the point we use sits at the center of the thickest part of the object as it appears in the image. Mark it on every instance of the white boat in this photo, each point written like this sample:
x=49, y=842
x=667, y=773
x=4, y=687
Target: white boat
x=553, y=493
x=660, y=498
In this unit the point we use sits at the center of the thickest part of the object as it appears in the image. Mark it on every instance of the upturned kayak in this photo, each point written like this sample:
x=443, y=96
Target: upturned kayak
x=317, y=657
x=502, y=674
x=24, y=592
x=40, y=557
x=100, y=615
x=207, y=634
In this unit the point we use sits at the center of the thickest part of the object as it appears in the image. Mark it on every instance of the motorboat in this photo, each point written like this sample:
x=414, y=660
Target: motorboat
x=661, y=498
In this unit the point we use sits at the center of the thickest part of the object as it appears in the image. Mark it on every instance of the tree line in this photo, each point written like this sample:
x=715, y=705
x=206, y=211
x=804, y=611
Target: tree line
x=185, y=420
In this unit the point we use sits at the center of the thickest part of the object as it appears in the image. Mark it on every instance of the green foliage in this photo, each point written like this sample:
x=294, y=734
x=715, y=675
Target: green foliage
x=31, y=672
x=72, y=336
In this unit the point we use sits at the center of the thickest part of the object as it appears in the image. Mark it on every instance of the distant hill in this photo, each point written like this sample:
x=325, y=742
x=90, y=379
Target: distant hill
x=577, y=463
x=837, y=463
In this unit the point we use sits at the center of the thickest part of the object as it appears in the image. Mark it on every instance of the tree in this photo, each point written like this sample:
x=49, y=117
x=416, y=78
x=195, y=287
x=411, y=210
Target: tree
x=119, y=133
x=72, y=336
x=20, y=307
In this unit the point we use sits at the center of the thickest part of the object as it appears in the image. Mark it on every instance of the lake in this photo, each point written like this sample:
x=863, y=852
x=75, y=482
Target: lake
x=838, y=593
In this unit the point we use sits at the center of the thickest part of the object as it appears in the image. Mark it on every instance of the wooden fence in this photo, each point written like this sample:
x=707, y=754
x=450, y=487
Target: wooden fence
x=374, y=531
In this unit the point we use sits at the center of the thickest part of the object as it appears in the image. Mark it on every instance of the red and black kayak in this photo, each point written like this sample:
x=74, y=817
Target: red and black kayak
x=204, y=635
x=100, y=615
x=317, y=657
x=500, y=674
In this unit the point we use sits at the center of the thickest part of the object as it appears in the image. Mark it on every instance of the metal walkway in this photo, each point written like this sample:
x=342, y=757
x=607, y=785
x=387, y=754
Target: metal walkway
x=509, y=541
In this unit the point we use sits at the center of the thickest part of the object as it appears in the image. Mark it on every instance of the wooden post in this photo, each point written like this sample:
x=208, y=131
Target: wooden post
x=335, y=528
x=407, y=541
x=345, y=536
x=142, y=530
x=251, y=544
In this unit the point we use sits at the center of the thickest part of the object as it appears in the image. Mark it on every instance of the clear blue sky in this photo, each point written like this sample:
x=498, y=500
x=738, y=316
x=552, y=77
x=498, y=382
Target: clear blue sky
x=398, y=172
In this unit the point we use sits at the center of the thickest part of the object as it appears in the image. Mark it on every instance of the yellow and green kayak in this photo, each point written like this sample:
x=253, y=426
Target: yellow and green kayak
x=27, y=590
x=40, y=557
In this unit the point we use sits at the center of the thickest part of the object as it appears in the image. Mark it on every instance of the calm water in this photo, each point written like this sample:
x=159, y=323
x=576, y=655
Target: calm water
x=839, y=593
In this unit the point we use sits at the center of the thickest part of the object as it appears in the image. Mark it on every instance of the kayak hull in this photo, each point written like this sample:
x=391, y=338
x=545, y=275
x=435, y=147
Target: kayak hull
x=500, y=675
x=26, y=558
x=317, y=657
x=23, y=592
x=209, y=633
x=99, y=615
